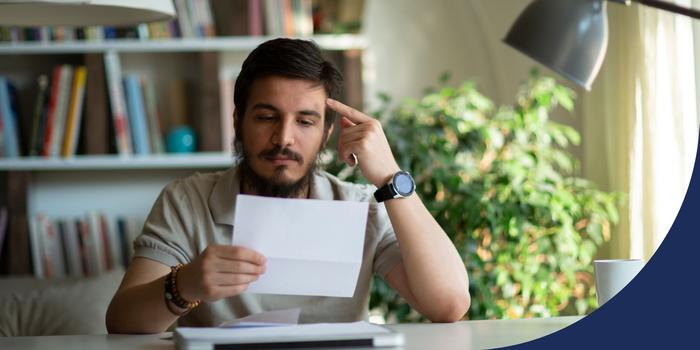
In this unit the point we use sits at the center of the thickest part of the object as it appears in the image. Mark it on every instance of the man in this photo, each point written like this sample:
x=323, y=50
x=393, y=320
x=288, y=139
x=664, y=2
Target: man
x=185, y=267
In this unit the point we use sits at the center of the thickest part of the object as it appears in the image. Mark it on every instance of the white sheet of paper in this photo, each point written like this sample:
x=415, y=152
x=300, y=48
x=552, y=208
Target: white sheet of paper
x=313, y=247
x=268, y=318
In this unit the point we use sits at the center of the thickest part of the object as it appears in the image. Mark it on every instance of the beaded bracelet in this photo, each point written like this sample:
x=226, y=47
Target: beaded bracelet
x=172, y=294
x=172, y=310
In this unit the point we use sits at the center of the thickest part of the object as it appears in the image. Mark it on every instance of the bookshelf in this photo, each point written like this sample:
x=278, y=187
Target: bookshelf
x=201, y=160
x=340, y=42
x=118, y=184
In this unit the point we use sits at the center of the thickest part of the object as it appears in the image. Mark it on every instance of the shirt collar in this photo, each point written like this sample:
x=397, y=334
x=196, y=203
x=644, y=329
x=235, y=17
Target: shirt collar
x=222, y=201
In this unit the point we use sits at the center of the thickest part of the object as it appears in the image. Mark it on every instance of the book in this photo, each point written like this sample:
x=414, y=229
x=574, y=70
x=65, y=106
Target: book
x=117, y=103
x=75, y=112
x=206, y=18
x=3, y=227
x=287, y=18
x=143, y=31
x=273, y=18
x=115, y=246
x=83, y=240
x=124, y=242
x=58, y=109
x=94, y=33
x=195, y=18
x=36, y=246
x=45, y=34
x=61, y=230
x=110, y=32
x=255, y=20
x=184, y=19
x=2, y=137
x=9, y=121
x=53, y=250
x=208, y=121
x=153, y=116
x=53, y=143
x=94, y=246
x=231, y=17
x=304, y=23
x=95, y=138
x=137, y=114
x=71, y=245
x=51, y=112
x=39, y=117
x=105, y=241
x=159, y=30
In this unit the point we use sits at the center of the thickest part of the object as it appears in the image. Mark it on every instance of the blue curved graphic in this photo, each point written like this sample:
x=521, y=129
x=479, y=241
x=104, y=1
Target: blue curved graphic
x=660, y=308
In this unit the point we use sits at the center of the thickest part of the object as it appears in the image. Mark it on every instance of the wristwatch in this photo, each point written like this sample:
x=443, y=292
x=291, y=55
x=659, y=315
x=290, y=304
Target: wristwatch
x=401, y=185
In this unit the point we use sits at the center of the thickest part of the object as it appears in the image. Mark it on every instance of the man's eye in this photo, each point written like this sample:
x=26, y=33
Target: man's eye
x=306, y=122
x=265, y=117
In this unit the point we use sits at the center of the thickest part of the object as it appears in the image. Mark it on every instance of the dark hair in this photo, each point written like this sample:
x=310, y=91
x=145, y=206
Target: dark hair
x=292, y=58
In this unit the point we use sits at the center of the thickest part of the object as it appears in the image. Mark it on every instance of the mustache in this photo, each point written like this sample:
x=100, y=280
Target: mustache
x=285, y=152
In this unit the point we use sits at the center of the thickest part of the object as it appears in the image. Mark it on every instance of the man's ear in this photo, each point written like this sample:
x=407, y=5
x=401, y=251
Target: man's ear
x=235, y=116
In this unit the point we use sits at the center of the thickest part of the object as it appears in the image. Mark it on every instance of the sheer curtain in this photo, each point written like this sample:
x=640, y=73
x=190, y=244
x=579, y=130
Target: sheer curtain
x=640, y=123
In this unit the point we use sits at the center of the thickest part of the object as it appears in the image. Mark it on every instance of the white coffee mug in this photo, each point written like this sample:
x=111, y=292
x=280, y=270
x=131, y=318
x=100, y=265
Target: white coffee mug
x=613, y=275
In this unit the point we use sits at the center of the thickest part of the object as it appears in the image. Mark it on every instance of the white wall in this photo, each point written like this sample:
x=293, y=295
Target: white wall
x=411, y=42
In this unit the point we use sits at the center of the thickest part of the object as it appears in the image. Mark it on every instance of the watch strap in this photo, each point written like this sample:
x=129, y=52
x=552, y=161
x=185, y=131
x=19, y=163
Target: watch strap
x=384, y=193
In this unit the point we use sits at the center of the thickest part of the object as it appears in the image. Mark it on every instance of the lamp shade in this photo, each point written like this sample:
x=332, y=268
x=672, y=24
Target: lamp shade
x=567, y=36
x=83, y=12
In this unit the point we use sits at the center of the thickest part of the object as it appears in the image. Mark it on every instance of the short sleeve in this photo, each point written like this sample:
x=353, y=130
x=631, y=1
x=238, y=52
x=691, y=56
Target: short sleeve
x=166, y=232
x=387, y=253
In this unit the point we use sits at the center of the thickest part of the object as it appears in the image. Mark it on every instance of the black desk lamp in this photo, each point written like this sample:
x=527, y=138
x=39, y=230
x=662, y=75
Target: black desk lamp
x=571, y=36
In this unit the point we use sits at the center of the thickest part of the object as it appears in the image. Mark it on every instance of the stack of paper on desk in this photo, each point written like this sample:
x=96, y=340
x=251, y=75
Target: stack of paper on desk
x=313, y=247
x=285, y=317
x=294, y=336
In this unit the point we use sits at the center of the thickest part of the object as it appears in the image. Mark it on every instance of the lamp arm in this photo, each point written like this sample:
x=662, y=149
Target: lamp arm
x=666, y=6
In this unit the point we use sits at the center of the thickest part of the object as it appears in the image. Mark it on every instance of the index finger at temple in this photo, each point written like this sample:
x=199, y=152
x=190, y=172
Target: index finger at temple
x=352, y=114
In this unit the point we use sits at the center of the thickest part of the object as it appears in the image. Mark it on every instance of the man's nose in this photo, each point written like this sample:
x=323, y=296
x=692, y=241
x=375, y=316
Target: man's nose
x=284, y=135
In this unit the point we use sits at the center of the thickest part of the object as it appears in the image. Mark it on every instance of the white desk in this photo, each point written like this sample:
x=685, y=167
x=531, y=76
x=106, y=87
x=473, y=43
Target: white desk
x=461, y=335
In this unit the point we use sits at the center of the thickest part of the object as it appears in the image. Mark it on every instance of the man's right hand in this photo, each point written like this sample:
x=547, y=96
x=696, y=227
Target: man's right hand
x=220, y=271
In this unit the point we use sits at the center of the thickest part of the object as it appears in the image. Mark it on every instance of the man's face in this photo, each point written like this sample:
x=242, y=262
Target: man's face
x=283, y=128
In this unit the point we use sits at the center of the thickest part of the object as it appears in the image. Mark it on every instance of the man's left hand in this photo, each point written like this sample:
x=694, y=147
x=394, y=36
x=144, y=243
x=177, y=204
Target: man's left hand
x=363, y=136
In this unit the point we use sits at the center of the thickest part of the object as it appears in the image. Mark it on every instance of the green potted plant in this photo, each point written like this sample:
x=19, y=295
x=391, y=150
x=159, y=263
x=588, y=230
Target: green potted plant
x=501, y=184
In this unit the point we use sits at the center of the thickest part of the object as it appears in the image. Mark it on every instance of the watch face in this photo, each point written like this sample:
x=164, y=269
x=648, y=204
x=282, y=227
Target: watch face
x=403, y=183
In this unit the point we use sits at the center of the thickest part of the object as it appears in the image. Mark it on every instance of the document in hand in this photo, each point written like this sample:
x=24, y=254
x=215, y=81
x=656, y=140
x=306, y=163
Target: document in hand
x=313, y=247
x=297, y=336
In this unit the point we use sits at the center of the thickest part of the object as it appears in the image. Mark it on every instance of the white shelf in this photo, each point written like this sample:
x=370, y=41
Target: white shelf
x=242, y=43
x=115, y=162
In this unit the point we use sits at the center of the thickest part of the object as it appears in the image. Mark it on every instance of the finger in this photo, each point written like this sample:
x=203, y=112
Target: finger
x=346, y=123
x=240, y=253
x=352, y=114
x=234, y=279
x=355, y=147
x=345, y=155
x=240, y=266
x=229, y=291
x=349, y=135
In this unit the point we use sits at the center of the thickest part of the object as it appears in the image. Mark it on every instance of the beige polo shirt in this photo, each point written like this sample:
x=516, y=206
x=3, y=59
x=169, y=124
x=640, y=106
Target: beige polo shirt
x=192, y=213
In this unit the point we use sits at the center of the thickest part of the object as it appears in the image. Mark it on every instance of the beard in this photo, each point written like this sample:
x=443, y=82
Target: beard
x=277, y=185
